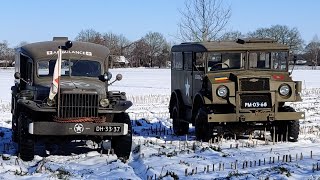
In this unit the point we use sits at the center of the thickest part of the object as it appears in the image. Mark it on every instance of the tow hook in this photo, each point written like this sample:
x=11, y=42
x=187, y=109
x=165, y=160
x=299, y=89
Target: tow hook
x=242, y=118
x=270, y=117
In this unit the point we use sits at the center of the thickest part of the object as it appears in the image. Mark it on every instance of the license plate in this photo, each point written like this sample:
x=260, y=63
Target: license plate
x=113, y=129
x=256, y=104
x=255, y=101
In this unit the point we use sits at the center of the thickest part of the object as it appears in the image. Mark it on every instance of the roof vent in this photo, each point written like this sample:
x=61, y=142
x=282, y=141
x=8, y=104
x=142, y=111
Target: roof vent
x=240, y=41
x=60, y=39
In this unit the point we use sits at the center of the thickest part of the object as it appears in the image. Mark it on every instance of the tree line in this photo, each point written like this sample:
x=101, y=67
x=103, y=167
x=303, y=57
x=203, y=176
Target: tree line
x=150, y=50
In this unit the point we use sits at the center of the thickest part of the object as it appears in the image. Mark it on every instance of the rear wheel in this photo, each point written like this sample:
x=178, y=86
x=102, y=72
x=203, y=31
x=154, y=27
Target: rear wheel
x=25, y=141
x=203, y=129
x=180, y=127
x=122, y=144
x=288, y=129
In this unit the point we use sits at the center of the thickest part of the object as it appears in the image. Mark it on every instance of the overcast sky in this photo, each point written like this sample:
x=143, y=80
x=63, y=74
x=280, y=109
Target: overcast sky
x=38, y=20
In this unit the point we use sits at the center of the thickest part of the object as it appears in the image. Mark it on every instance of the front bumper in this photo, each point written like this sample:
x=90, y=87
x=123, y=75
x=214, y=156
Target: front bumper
x=83, y=129
x=260, y=116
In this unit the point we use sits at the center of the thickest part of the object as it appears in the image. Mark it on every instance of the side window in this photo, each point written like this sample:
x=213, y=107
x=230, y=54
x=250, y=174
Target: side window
x=44, y=68
x=264, y=60
x=200, y=62
x=253, y=60
x=177, y=61
x=187, y=59
x=279, y=60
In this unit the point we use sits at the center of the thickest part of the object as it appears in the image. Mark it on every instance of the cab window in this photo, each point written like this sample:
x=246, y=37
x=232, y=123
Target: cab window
x=200, y=61
x=223, y=61
x=86, y=68
x=177, y=60
x=187, y=58
x=268, y=60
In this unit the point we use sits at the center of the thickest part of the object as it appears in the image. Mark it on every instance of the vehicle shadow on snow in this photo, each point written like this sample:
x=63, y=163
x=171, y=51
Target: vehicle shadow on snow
x=7, y=146
x=67, y=148
x=163, y=130
x=158, y=129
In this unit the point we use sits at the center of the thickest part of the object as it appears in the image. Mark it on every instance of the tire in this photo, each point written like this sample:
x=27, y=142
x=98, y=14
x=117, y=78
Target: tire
x=122, y=144
x=179, y=127
x=290, y=127
x=203, y=129
x=25, y=141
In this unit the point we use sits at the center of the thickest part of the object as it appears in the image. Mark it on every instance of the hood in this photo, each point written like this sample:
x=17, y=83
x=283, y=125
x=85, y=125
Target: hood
x=86, y=84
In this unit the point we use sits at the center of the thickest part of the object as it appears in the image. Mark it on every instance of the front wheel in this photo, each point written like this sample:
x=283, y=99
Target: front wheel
x=289, y=129
x=122, y=144
x=203, y=129
x=25, y=141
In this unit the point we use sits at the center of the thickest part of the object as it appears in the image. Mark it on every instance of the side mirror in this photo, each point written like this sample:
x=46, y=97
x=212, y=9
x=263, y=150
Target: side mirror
x=119, y=77
x=17, y=75
x=105, y=77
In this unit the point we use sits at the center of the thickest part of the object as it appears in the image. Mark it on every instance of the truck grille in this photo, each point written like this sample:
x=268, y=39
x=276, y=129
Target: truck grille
x=78, y=105
x=255, y=101
x=254, y=84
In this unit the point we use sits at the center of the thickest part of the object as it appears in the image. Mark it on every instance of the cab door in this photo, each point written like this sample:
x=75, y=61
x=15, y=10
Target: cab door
x=198, y=68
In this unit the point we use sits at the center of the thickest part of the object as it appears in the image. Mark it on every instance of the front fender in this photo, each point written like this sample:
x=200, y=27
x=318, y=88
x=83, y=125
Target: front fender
x=35, y=106
x=122, y=105
x=119, y=107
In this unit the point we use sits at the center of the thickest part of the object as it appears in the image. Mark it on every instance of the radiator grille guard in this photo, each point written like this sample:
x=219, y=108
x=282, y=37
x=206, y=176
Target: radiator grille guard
x=254, y=84
x=78, y=105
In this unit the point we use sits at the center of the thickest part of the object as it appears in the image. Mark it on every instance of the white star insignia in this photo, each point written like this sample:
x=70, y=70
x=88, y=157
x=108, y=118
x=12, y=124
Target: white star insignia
x=78, y=128
x=187, y=85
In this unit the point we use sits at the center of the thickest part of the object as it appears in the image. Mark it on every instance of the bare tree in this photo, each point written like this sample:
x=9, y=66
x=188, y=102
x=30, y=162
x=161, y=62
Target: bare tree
x=139, y=54
x=282, y=34
x=157, y=43
x=6, y=53
x=116, y=43
x=313, y=50
x=203, y=20
x=90, y=35
x=164, y=56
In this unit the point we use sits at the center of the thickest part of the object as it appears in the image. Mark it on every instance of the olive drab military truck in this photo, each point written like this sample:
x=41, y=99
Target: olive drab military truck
x=61, y=94
x=233, y=87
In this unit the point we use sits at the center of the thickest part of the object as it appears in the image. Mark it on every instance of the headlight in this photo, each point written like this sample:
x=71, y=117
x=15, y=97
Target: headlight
x=222, y=91
x=51, y=102
x=104, y=102
x=284, y=90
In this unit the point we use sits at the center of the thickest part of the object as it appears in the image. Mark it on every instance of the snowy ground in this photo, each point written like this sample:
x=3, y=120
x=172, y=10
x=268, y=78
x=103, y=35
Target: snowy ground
x=159, y=154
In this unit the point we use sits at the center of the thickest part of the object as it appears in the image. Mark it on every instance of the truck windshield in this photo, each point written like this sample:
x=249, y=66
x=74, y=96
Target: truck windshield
x=86, y=68
x=224, y=61
x=268, y=60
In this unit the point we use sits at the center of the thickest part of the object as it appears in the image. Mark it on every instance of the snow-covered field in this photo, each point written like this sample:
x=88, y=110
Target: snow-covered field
x=158, y=154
